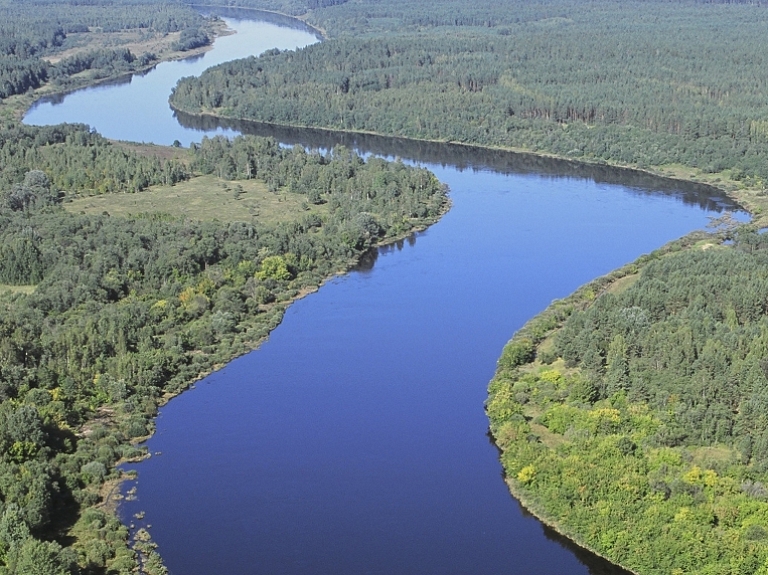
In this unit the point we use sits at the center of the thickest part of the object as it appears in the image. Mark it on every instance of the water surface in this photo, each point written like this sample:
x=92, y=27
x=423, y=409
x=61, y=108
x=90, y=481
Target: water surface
x=354, y=441
x=136, y=108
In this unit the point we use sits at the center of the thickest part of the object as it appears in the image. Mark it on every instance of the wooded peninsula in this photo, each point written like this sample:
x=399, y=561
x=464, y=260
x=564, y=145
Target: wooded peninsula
x=631, y=415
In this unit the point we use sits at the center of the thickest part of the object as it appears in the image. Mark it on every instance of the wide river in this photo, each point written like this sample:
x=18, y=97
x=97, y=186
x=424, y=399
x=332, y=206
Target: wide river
x=354, y=441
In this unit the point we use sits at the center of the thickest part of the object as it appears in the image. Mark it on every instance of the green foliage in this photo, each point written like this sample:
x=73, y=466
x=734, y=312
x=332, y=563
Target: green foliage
x=190, y=39
x=35, y=557
x=517, y=353
x=71, y=157
x=656, y=456
x=32, y=30
x=274, y=267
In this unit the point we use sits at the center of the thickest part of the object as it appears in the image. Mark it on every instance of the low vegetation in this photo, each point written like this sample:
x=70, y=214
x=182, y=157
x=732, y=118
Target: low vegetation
x=204, y=198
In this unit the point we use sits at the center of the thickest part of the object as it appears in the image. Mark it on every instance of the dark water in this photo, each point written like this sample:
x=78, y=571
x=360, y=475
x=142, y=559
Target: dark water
x=354, y=441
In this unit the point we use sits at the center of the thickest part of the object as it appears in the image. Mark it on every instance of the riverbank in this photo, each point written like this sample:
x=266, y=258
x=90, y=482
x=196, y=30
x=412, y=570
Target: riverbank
x=213, y=291
x=589, y=456
x=300, y=18
x=15, y=107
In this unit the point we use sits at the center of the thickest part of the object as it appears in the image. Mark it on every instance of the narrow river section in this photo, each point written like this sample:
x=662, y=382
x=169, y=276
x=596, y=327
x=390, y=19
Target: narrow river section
x=354, y=440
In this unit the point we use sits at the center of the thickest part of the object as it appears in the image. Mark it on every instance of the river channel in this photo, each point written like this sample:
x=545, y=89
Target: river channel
x=354, y=440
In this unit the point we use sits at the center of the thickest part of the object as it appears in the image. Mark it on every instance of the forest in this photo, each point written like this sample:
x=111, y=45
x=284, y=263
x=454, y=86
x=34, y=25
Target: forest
x=106, y=317
x=32, y=31
x=632, y=415
x=646, y=84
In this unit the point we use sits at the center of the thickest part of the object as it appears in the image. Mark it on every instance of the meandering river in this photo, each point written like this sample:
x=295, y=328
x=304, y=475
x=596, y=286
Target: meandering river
x=354, y=440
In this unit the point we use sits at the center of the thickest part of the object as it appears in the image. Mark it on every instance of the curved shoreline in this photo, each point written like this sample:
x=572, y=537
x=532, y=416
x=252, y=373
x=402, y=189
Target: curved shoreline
x=299, y=18
x=579, y=298
x=530, y=506
x=20, y=104
x=740, y=197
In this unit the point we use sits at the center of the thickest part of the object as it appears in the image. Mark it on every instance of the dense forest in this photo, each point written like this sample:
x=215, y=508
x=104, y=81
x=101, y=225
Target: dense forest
x=127, y=310
x=289, y=7
x=106, y=317
x=640, y=83
x=632, y=415
x=77, y=158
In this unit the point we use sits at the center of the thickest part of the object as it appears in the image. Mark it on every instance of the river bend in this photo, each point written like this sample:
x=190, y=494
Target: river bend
x=354, y=440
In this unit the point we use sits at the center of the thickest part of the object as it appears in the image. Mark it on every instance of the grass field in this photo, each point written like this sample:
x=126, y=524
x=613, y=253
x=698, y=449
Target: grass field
x=16, y=289
x=203, y=198
x=155, y=151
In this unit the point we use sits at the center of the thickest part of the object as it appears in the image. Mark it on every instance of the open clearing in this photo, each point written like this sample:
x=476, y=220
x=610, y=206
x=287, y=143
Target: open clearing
x=17, y=289
x=203, y=198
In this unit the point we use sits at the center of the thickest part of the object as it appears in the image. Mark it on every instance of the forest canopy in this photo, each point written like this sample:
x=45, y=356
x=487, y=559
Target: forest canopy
x=104, y=316
x=32, y=31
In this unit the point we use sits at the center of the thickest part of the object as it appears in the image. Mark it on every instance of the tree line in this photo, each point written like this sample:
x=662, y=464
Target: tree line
x=32, y=31
x=77, y=159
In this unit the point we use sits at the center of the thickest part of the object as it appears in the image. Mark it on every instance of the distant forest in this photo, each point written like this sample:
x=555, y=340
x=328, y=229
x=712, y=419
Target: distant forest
x=640, y=83
x=32, y=30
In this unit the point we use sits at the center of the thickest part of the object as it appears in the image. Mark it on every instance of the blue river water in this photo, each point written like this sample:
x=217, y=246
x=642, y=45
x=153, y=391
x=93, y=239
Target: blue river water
x=354, y=440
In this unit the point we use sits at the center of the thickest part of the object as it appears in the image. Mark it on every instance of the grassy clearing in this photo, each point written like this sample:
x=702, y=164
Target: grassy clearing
x=137, y=41
x=622, y=284
x=154, y=151
x=17, y=289
x=707, y=455
x=203, y=198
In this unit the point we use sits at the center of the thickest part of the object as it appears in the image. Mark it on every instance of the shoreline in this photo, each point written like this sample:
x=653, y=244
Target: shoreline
x=597, y=286
x=740, y=197
x=531, y=507
x=21, y=104
x=301, y=18
x=111, y=490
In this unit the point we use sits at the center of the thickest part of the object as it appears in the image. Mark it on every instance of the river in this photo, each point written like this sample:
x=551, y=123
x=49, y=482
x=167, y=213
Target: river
x=354, y=440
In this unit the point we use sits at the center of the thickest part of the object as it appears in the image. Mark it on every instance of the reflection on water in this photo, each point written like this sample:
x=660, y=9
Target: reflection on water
x=135, y=107
x=465, y=157
x=368, y=260
x=260, y=15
